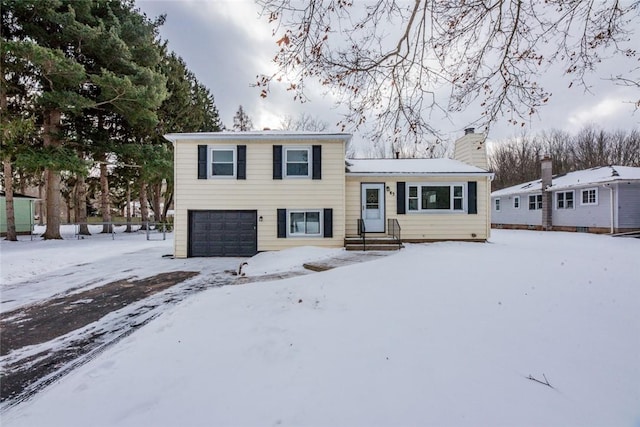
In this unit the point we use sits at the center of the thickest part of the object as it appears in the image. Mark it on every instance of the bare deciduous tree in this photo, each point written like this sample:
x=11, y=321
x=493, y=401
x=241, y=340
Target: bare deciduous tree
x=518, y=161
x=304, y=122
x=397, y=61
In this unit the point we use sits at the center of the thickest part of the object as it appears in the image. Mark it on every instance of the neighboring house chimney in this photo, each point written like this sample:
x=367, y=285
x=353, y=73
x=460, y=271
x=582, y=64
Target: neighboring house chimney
x=471, y=149
x=547, y=200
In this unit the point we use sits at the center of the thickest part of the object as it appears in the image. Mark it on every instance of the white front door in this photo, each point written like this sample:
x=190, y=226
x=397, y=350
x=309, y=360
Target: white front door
x=373, y=207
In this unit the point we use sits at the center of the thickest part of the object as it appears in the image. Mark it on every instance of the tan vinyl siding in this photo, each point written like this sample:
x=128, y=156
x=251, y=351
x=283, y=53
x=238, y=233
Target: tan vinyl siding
x=424, y=226
x=471, y=149
x=260, y=191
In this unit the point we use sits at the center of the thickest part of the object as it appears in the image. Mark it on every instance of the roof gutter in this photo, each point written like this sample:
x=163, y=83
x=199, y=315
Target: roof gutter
x=267, y=136
x=444, y=174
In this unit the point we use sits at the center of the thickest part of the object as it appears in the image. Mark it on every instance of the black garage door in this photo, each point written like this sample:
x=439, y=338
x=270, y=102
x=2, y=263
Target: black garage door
x=223, y=233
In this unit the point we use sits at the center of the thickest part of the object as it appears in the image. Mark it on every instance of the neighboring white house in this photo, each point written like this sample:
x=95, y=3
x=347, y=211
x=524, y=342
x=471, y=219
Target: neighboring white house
x=599, y=200
x=238, y=193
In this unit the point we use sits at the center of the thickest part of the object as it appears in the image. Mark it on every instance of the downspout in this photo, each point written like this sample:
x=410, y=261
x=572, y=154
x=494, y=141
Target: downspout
x=488, y=201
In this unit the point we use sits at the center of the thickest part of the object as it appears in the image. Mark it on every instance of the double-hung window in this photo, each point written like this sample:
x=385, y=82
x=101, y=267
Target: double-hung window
x=436, y=197
x=297, y=161
x=564, y=200
x=535, y=202
x=516, y=202
x=589, y=196
x=223, y=161
x=305, y=223
x=497, y=204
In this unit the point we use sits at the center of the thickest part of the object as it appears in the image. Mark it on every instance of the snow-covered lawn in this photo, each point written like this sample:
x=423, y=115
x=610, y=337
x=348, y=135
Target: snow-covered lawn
x=443, y=334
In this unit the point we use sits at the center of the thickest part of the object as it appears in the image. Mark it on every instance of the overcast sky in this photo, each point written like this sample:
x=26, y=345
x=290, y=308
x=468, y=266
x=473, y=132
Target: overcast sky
x=226, y=45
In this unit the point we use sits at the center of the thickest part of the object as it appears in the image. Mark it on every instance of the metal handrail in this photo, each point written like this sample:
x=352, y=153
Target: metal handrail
x=362, y=231
x=395, y=230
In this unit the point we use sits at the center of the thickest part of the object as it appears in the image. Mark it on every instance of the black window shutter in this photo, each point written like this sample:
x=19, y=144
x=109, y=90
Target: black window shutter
x=241, y=152
x=317, y=162
x=328, y=222
x=202, y=162
x=282, y=223
x=401, y=198
x=472, y=195
x=277, y=162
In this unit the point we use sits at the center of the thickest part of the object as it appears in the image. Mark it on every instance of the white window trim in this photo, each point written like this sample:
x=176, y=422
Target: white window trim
x=536, y=202
x=464, y=209
x=309, y=150
x=516, y=199
x=557, y=197
x=304, y=235
x=497, y=204
x=213, y=148
x=595, y=189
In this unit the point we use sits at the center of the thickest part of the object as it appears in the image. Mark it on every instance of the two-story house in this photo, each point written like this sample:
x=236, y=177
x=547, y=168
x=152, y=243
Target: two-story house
x=239, y=193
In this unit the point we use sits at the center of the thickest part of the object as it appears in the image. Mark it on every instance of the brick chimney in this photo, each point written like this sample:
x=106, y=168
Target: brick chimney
x=546, y=174
x=471, y=149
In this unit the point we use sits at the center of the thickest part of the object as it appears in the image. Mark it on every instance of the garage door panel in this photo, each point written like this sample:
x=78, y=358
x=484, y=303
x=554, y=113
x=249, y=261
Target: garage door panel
x=223, y=233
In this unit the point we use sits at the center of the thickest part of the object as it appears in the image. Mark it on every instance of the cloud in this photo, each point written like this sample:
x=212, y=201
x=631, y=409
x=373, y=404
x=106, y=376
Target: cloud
x=601, y=111
x=226, y=45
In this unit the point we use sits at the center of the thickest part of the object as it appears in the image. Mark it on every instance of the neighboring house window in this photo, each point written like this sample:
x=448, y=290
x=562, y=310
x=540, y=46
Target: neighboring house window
x=305, y=223
x=436, y=198
x=497, y=204
x=516, y=202
x=564, y=200
x=297, y=161
x=535, y=202
x=589, y=196
x=223, y=160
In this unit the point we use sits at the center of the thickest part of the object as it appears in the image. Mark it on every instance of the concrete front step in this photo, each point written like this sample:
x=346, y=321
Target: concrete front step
x=377, y=243
x=372, y=247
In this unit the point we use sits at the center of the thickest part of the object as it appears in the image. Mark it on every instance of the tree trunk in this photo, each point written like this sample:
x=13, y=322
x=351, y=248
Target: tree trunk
x=41, y=202
x=157, y=211
x=144, y=211
x=81, y=203
x=104, y=196
x=8, y=192
x=69, y=203
x=128, y=209
x=51, y=128
x=168, y=200
x=7, y=167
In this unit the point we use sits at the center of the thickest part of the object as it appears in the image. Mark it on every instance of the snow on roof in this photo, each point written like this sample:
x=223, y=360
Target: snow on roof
x=18, y=196
x=257, y=135
x=595, y=176
x=411, y=166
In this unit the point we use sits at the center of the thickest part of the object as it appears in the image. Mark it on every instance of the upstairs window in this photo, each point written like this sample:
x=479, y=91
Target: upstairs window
x=589, y=196
x=223, y=160
x=216, y=161
x=535, y=202
x=564, y=200
x=297, y=162
x=516, y=202
x=497, y=204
